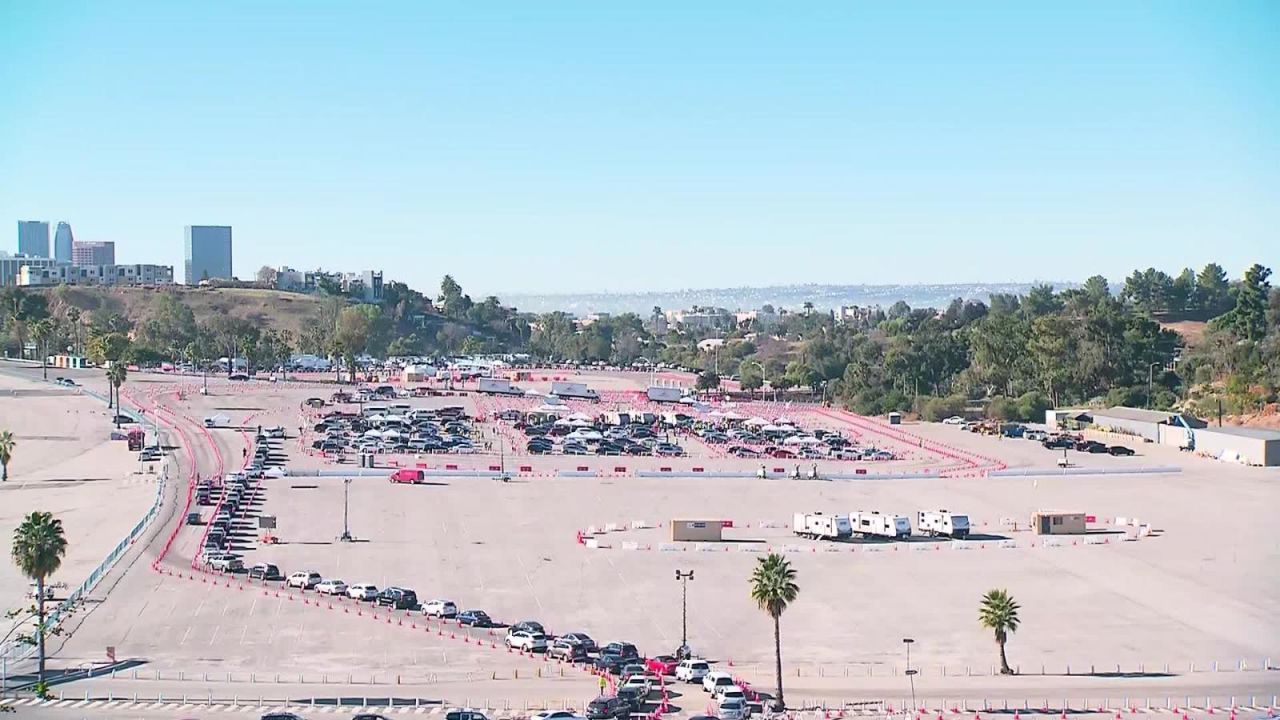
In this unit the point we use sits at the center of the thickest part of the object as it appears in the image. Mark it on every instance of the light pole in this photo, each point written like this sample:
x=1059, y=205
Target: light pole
x=911, y=674
x=1151, y=376
x=346, y=502
x=684, y=576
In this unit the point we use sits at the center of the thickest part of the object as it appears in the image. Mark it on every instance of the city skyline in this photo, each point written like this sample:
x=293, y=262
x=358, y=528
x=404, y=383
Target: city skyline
x=856, y=143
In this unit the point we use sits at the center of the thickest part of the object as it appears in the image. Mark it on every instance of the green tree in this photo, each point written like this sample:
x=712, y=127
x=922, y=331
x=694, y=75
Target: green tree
x=1249, y=318
x=116, y=375
x=7, y=444
x=774, y=589
x=41, y=332
x=39, y=545
x=707, y=380
x=1213, y=295
x=999, y=613
x=108, y=347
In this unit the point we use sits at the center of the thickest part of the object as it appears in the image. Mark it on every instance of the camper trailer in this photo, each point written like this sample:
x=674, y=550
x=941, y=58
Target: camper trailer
x=818, y=526
x=943, y=522
x=573, y=391
x=664, y=394
x=873, y=524
x=498, y=386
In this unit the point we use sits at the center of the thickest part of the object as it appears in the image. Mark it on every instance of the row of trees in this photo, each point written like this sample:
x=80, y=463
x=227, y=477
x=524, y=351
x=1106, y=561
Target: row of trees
x=1019, y=354
x=774, y=589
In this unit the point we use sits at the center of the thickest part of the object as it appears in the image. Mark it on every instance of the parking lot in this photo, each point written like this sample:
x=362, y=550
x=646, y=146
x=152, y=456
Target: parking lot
x=1191, y=592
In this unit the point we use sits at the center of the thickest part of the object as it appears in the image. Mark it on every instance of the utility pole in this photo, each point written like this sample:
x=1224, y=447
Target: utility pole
x=1150, y=376
x=346, y=503
x=684, y=576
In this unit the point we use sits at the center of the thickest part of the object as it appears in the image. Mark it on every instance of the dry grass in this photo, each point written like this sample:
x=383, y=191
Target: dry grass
x=271, y=308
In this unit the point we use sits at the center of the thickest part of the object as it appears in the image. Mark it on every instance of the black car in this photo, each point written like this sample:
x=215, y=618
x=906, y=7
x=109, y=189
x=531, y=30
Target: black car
x=1091, y=446
x=369, y=716
x=265, y=571
x=606, y=707
x=611, y=664
x=539, y=448
x=532, y=626
x=582, y=639
x=1119, y=450
x=632, y=697
x=398, y=598
x=624, y=650
x=1056, y=443
x=475, y=618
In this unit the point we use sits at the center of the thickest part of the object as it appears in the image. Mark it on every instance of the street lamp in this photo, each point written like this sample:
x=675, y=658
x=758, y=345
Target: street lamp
x=911, y=674
x=684, y=576
x=1151, y=376
x=346, y=502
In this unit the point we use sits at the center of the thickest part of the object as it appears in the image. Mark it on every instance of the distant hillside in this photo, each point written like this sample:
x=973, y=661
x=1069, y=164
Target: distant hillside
x=268, y=308
x=783, y=296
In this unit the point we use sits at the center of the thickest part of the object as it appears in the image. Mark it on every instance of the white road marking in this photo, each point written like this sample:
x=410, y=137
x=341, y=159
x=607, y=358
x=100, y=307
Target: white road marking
x=214, y=636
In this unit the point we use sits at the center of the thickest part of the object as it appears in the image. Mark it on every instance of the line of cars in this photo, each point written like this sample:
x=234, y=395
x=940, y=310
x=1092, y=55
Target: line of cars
x=1050, y=440
x=236, y=494
x=639, y=440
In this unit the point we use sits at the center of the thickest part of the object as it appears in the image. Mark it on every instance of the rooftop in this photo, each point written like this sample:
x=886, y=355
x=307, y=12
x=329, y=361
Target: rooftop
x=1249, y=432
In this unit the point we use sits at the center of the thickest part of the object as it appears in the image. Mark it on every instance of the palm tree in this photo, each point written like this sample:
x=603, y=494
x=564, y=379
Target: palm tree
x=38, y=547
x=7, y=443
x=999, y=612
x=42, y=331
x=116, y=375
x=773, y=587
x=73, y=317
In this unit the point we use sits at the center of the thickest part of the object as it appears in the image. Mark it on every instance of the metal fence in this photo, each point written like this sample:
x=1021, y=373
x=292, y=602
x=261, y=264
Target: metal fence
x=15, y=651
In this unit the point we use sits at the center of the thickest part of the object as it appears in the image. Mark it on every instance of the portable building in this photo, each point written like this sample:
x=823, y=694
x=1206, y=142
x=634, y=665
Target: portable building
x=1250, y=446
x=1048, y=522
x=697, y=530
x=895, y=418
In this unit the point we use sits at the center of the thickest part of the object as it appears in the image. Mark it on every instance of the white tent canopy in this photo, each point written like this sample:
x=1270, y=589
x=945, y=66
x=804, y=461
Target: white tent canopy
x=801, y=440
x=549, y=408
x=757, y=421
x=580, y=416
x=584, y=434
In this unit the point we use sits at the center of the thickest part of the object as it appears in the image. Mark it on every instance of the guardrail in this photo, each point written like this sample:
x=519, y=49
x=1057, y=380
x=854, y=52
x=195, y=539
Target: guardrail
x=15, y=651
x=1049, y=472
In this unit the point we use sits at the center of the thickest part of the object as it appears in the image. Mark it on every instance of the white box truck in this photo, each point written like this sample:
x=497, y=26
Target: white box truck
x=573, y=391
x=817, y=526
x=943, y=522
x=217, y=421
x=873, y=524
x=498, y=386
x=665, y=394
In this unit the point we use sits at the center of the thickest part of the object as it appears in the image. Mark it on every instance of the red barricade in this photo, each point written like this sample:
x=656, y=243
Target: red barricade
x=450, y=467
x=495, y=468
x=697, y=469
x=664, y=469
x=620, y=469
x=526, y=468
x=778, y=470
x=583, y=468
x=726, y=523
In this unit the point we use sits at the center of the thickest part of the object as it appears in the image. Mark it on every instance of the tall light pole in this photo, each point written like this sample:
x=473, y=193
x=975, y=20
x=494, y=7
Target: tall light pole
x=346, y=502
x=684, y=576
x=1151, y=376
x=911, y=674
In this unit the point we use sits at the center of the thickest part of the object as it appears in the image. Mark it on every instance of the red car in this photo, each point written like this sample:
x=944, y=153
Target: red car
x=408, y=475
x=661, y=665
x=780, y=453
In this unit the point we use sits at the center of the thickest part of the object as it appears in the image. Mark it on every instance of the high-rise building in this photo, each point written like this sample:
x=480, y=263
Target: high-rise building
x=33, y=238
x=62, y=242
x=208, y=253
x=93, y=252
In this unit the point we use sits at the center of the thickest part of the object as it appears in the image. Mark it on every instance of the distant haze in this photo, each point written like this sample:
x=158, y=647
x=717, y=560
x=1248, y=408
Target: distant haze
x=791, y=297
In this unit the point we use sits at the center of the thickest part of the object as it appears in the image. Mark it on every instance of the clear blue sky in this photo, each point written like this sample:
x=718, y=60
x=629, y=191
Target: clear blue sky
x=531, y=146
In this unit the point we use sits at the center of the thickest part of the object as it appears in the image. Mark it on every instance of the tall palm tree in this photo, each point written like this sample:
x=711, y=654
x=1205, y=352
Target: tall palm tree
x=773, y=587
x=42, y=331
x=116, y=375
x=73, y=317
x=7, y=443
x=999, y=612
x=38, y=547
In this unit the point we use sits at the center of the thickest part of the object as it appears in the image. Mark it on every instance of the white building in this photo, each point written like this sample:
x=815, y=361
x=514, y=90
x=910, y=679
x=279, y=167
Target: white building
x=65, y=274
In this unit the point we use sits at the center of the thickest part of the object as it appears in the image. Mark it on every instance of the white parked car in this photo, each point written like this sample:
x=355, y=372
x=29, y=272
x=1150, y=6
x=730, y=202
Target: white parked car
x=440, y=608
x=691, y=670
x=225, y=563
x=329, y=586
x=304, y=580
x=362, y=591
x=273, y=432
x=641, y=683
x=715, y=679
x=735, y=708
x=557, y=715
x=732, y=692
x=525, y=640
x=953, y=420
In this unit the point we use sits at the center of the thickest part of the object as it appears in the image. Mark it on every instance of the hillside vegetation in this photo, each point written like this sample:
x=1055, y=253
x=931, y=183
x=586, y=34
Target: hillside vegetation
x=1014, y=355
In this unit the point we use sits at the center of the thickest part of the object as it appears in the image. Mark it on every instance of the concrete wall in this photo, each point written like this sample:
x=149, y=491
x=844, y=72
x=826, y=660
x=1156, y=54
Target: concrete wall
x=1255, y=451
x=697, y=530
x=1170, y=435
